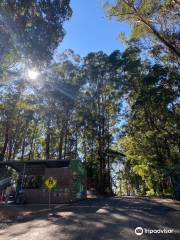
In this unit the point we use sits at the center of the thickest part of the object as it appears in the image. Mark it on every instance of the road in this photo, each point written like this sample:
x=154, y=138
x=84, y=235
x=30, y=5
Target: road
x=100, y=219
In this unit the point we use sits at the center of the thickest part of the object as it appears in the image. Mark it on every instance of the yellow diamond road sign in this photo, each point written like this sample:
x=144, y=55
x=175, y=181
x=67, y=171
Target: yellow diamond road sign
x=50, y=182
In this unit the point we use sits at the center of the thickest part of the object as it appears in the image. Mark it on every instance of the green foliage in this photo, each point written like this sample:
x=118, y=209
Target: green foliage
x=72, y=114
x=150, y=140
x=31, y=29
x=154, y=20
x=150, y=193
x=101, y=108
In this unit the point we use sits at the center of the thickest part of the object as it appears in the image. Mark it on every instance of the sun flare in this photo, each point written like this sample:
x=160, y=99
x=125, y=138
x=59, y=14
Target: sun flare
x=32, y=74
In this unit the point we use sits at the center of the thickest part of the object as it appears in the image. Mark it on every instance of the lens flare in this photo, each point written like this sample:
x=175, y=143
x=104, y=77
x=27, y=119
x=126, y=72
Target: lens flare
x=32, y=74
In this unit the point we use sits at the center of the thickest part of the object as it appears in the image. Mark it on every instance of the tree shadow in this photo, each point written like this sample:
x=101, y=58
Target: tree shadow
x=117, y=219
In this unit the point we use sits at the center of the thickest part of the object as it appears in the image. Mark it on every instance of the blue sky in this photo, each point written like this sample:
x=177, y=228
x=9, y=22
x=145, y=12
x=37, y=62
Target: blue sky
x=90, y=30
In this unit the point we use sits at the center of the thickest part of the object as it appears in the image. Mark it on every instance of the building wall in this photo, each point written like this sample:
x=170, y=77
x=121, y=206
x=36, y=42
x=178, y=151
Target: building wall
x=71, y=186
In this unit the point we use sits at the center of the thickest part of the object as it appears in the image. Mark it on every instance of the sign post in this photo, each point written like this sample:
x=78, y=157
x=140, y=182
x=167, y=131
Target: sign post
x=50, y=183
x=49, y=201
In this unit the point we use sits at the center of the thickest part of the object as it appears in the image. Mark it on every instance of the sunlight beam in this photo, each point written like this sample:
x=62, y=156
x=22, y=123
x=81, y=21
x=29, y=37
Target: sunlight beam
x=32, y=74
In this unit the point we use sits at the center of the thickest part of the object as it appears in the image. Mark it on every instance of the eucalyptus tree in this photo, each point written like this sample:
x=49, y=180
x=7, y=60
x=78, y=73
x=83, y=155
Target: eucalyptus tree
x=100, y=104
x=60, y=92
x=151, y=137
x=32, y=29
x=154, y=20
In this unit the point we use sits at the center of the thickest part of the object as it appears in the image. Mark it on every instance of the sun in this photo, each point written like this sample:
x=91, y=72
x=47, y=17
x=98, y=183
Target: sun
x=32, y=74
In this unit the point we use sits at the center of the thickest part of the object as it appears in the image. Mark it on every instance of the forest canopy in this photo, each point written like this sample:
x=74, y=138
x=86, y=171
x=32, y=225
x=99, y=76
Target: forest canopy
x=31, y=30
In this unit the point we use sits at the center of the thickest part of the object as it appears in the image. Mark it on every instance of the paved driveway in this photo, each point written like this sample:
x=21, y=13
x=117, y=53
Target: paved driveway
x=101, y=219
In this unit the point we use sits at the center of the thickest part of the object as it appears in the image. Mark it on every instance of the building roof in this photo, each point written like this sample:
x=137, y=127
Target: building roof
x=35, y=167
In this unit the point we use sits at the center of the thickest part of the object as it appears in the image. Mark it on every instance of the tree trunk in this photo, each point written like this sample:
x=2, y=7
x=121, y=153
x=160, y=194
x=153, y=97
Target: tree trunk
x=155, y=32
x=60, y=148
x=65, y=135
x=23, y=150
x=76, y=144
x=2, y=154
x=65, y=146
x=48, y=138
x=61, y=140
x=10, y=149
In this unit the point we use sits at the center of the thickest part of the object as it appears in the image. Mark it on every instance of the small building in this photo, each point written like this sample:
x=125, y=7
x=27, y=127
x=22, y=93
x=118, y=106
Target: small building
x=70, y=176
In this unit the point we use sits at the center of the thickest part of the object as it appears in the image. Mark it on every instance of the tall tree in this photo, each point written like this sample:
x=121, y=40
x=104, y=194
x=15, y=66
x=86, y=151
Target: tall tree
x=31, y=29
x=151, y=138
x=157, y=20
x=101, y=97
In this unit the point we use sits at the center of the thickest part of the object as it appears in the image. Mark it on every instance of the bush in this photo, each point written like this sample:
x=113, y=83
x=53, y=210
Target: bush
x=150, y=192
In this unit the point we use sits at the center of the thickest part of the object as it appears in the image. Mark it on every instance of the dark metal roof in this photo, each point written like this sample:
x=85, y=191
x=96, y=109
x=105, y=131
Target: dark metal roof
x=35, y=166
